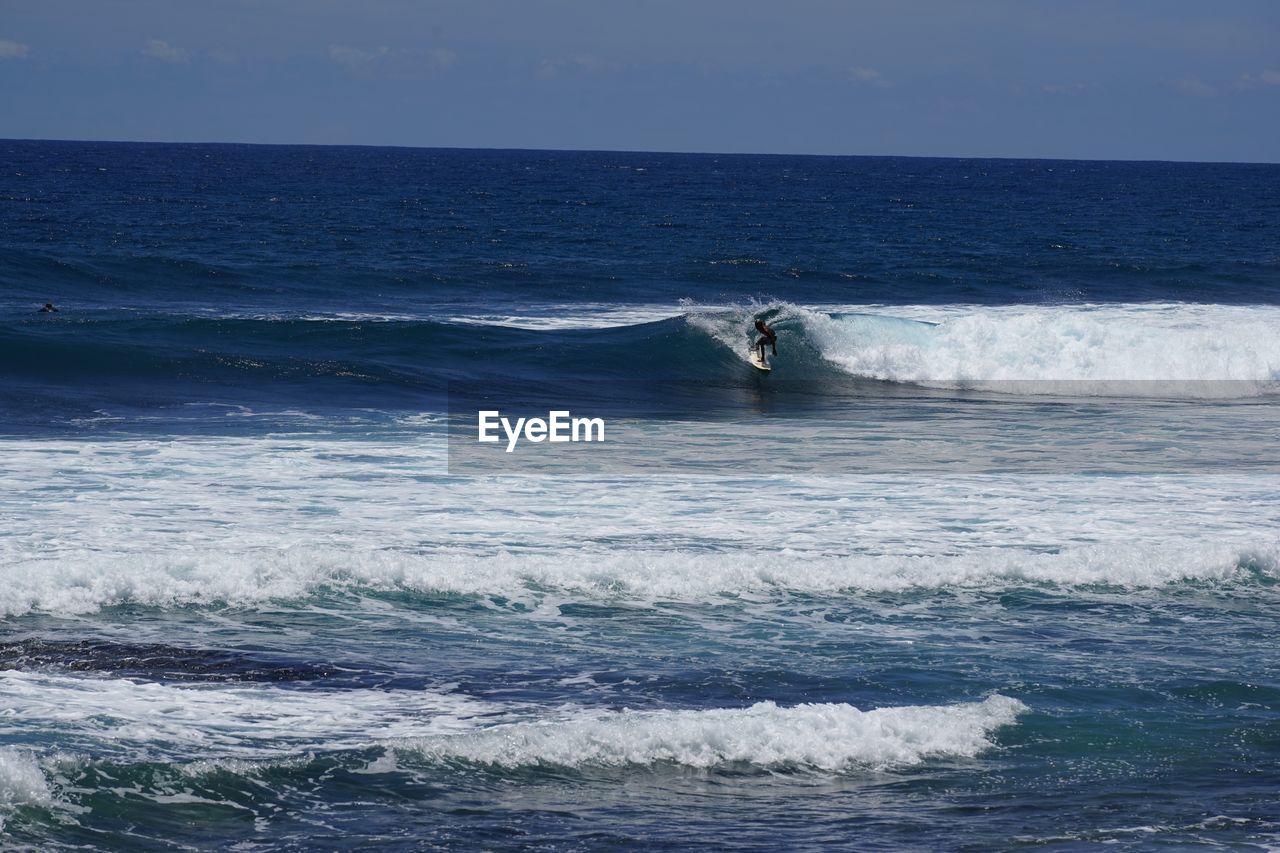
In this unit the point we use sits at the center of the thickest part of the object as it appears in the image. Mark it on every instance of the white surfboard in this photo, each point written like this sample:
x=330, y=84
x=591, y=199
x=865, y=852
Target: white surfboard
x=758, y=360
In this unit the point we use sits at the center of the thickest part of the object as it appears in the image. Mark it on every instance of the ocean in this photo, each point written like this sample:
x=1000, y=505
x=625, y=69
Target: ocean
x=989, y=560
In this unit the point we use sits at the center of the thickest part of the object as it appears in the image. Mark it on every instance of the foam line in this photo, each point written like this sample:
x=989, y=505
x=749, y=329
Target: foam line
x=832, y=737
x=83, y=582
x=230, y=722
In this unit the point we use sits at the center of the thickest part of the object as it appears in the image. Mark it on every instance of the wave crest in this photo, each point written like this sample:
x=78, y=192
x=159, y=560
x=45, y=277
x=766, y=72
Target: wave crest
x=22, y=782
x=86, y=582
x=829, y=736
x=1092, y=347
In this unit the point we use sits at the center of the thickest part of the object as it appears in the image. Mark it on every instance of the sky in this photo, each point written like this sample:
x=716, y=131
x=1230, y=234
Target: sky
x=1124, y=79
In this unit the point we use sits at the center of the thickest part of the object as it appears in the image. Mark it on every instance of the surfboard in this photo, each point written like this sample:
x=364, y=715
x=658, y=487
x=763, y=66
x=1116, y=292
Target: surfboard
x=758, y=361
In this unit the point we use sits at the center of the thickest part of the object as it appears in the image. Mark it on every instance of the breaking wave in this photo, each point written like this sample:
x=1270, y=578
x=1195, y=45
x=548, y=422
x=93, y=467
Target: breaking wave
x=85, y=582
x=828, y=736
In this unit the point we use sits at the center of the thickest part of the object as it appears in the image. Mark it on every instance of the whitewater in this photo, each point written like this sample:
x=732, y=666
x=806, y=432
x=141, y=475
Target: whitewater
x=1087, y=346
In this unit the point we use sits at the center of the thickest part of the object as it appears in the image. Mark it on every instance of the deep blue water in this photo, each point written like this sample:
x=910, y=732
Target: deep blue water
x=990, y=559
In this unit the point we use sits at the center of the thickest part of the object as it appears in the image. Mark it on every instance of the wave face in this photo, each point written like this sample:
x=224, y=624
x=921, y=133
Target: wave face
x=118, y=364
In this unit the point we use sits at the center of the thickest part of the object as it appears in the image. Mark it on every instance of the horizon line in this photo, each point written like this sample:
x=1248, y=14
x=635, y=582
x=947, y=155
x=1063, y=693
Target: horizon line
x=703, y=153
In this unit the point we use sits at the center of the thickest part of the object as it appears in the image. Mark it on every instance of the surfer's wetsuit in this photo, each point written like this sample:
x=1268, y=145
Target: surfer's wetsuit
x=770, y=338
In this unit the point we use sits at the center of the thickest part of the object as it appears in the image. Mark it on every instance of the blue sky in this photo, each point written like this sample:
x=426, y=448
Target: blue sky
x=1143, y=79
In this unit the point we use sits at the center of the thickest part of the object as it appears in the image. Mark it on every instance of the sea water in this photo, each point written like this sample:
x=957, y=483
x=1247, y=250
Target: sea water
x=988, y=560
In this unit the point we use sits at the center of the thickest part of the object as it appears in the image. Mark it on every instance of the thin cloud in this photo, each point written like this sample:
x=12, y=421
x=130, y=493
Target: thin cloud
x=548, y=68
x=165, y=52
x=1266, y=77
x=354, y=57
x=395, y=62
x=1193, y=86
x=12, y=49
x=584, y=63
x=868, y=77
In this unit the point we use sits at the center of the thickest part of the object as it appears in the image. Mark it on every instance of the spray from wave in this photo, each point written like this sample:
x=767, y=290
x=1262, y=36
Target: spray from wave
x=22, y=782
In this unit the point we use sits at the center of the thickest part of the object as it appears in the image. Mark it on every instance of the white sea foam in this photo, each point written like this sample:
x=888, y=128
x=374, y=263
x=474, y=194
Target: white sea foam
x=247, y=521
x=569, y=315
x=22, y=782
x=831, y=737
x=201, y=721
x=217, y=726
x=82, y=582
x=1128, y=343
x=1092, y=345
x=572, y=316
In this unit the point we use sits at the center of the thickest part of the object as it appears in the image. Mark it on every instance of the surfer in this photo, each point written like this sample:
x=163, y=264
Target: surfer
x=770, y=337
x=48, y=309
